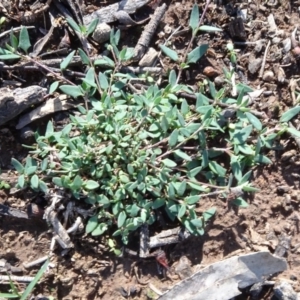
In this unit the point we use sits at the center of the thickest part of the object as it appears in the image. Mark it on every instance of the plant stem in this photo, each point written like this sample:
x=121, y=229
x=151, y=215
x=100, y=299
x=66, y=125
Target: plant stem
x=192, y=40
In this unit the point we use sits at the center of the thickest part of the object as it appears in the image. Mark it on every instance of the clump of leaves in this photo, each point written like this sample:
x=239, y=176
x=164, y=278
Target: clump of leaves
x=3, y=183
x=132, y=154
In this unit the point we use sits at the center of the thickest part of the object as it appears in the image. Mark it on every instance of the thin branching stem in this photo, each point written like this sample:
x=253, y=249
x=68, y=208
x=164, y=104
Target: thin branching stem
x=192, y=40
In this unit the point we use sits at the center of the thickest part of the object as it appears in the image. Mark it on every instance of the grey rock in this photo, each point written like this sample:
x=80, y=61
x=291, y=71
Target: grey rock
x=254, y=65
x=284, y=291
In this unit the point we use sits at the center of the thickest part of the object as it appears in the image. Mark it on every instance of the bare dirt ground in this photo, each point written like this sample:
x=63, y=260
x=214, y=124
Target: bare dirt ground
x=89, y=271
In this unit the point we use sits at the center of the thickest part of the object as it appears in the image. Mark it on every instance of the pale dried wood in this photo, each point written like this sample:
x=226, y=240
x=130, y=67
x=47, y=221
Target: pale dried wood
x=14, y=102
x=145, y=39
x=63, y=237
x=107, y=14
x=52, y=105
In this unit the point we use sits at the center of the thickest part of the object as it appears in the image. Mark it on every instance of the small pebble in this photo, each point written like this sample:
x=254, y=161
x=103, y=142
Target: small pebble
x=210, y=71
x=268, y=76
x=258, y=46
x=282, y=189
x=288, y=154
x=219, y=80
x=167, y=29
x=284, y=291
x=149, y=58
x=288, y=199
x=254, y=65
x=287, y=45
x=276, y=40
x=101, y=33
x=293, y=277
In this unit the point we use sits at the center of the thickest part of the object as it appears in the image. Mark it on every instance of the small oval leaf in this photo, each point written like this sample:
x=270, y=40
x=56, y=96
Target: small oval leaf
x=169, y=52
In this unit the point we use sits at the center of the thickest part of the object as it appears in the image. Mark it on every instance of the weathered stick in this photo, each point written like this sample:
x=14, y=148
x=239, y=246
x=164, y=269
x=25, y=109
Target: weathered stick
x=107, y=14
x=167, y=237
x=144, y=41
x=63, y=237
x=14, y=102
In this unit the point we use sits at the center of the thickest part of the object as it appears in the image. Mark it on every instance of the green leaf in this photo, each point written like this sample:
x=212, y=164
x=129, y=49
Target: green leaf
x=21, y=181
x=171, y=191
x=92, y=26
x=181, y=212
x=197, y=222
x=192, y=173
x=24, y=41
x=9, y=55
x=43, y=186
x=240, y=202
x=84, y=58
x=181, y=188
x=198, y=187
x=8, y=296
x=9, y=48
x=236, y=168
x=13, y=287
x=91, y=224
x=262, y=159
x=209, y=28
x=74, y=25
x=182, y=155
x=172, y=78
x=184, y=109
x=194, y=18
x=103, y=81
x=100, y=229
x=169, y=52
x=13, y=40
x=91, y=184
x=197, y=53
x=34, y=181
x=192, y=199
x=64, y=64
x=294, y=132
x=73, y=91
x=169, y=163
x=209, y=213
x=254, y=121
x=240, y=136
x=245, y=178
x=17, y=165
x=77, y=182
x=124, y=178
x=57, y=181
x=159, y=202
x=53, y=87
x=126, y=54
x=217, y=169
x=258, y=146
x=250, y=189
x=104, y=61
x=66, y=131
x=173, y=138
x=36, y=279
x=290, y=114
x=144, y=215
x=164, y=124
x=90, y=77
x=121, y=219
x=29, y=170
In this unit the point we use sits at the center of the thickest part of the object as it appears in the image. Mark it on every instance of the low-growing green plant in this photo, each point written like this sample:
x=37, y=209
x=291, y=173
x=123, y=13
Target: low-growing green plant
x=3, y=183
x=132, y=154
x=14, y=293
